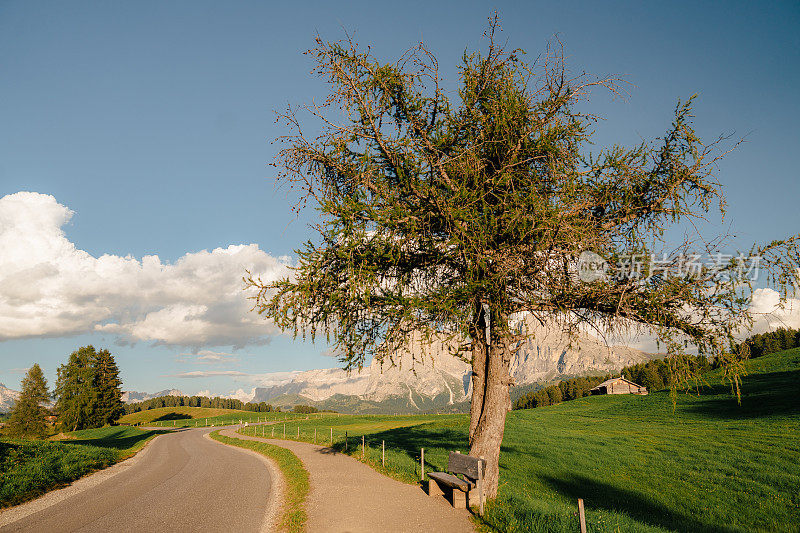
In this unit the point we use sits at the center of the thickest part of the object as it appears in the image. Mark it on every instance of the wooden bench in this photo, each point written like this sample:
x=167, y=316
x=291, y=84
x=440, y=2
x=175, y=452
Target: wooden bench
x=463, y=492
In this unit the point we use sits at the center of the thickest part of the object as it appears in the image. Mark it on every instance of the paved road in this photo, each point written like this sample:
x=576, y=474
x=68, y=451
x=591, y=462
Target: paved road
x=182, y=482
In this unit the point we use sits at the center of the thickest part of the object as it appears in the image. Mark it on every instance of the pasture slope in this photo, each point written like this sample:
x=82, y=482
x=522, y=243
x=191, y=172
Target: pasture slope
x=708, y=465
x=182, y=416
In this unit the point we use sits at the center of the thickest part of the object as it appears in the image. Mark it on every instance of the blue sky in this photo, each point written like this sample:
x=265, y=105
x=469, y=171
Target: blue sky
x=152, y=123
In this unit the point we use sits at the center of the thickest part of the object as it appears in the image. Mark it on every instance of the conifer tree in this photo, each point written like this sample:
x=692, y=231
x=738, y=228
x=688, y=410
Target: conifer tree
x=28, y=417
x=75, y=393
x=108, y=389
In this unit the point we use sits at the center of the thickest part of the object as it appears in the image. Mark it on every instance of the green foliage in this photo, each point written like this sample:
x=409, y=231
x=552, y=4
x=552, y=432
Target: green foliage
x=436, y=202
x=568, y=389
x=770, y=342
x=304, y=409
x=30, y=468
x=293, y=516
x=75, y=395
x=107, y=385
x=447, y=212
x=197, y=401
x=88, y=390
x=28, y=414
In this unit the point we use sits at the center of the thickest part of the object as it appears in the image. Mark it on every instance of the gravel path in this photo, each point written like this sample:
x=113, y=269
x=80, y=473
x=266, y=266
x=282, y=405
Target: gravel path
x=349, y=496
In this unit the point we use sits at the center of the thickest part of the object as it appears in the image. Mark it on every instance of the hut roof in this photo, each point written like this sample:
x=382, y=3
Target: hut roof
x=620, y=379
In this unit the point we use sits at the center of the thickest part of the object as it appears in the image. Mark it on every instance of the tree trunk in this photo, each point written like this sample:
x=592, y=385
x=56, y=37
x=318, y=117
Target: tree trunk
x=487, y=436
x=479, y=349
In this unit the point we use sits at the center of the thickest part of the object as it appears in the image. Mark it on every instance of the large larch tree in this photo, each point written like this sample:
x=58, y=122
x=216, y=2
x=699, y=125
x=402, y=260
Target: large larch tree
x=452, y=213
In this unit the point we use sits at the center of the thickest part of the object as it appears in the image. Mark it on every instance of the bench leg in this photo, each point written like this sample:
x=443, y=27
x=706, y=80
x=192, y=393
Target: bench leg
x=434, y=489
x=459, y=499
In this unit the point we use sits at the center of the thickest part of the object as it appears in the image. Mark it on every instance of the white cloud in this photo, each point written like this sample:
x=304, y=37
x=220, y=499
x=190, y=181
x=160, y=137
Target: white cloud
x=49, y=287
x=768, y=314
x=208, y=373
x=240, y=394
x=208, y=357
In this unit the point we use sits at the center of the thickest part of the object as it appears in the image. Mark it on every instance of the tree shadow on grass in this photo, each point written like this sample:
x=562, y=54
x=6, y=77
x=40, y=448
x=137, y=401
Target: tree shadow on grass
x=599, y=495
x=763, y=395
x=118, y=440
x=172, y=416
x=409, y=440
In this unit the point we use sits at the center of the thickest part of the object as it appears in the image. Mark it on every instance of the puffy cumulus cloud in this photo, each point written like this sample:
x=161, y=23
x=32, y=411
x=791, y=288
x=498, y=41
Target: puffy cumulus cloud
x=240, y=394
x=49, y=287
x=768, y=314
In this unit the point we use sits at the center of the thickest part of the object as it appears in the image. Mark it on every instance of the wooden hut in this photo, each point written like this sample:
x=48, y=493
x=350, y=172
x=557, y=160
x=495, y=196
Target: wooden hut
x=619, y=385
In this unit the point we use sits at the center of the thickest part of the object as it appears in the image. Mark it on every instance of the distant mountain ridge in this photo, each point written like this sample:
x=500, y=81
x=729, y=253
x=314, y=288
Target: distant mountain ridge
x=135, y=396
x=7, y=398
x=427, y=378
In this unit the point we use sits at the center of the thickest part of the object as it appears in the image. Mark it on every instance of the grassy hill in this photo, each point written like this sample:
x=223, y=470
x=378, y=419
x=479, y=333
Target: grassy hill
x=191, y=416
x=709, y=465
x=178, y=413
x=29, y=468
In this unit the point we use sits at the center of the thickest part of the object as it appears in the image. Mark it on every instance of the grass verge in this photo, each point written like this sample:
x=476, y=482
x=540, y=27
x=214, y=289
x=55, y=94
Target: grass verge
x=293, y=512
x=29, y=468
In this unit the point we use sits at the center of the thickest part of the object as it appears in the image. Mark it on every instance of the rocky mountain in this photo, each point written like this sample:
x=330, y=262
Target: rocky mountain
x=135, y=396
x=426, y=378
x=7, y=398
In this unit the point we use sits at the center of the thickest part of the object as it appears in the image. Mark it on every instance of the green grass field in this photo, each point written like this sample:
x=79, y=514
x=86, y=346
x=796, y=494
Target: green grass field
x=293, y=512
x=29, y=468
x=200, y=416
x=709, y=465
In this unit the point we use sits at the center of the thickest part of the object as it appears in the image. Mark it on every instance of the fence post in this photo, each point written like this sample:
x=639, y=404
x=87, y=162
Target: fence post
x=581, y=515
x=331, y=436
x=383, y=452
x=273, y=432
x=298, y=432
x=422, y=464
x=284, y=430
x=363, y=447
x=315, y=435
x=345, y=442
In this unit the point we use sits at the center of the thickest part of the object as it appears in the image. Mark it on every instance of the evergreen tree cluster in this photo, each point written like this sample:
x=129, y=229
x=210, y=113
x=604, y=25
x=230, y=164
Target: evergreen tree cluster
x=566, y=390
x=770, y=342
x=88, y=390
x=197, y=401
x=654, y=375
x=28, y=416
x=657, y=374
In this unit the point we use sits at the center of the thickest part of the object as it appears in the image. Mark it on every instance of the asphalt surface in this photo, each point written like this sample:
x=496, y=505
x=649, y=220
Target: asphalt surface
x=183, y=482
